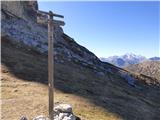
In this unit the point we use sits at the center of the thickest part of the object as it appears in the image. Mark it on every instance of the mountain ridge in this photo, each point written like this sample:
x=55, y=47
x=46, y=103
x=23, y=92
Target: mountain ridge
x=127, y=59
x=109, y=91
x=148, y=68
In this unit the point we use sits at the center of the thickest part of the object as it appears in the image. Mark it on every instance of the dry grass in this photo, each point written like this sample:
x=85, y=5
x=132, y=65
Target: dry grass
x=24, y=98
x=24, y=90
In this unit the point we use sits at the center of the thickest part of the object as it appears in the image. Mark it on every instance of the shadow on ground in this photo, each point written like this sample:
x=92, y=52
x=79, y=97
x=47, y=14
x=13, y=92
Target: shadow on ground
x=109, y=92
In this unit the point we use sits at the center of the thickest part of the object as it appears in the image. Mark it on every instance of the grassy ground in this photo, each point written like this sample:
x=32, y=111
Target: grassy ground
x=24, y=90
x=24, y=98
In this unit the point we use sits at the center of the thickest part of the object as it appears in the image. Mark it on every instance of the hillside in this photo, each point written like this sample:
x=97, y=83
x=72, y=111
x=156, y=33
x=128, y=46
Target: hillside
x=149, y=68
x=96, y=90
x=24, y=79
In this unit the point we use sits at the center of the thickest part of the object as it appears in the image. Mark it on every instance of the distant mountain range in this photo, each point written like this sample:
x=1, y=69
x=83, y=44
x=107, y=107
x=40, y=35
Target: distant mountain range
x=127, y=59
x=155, y=58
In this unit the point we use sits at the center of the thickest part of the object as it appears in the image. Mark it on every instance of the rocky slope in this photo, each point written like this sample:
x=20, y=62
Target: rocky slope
x=148, y=68
x=22, y=9
x=93, y=96
x=34, y=35
x=78, y=72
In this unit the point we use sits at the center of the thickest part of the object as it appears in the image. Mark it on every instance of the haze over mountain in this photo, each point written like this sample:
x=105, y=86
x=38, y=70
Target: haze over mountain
x=127, y=59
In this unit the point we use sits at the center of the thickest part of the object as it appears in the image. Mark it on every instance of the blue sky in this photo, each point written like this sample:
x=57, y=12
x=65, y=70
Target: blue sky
x=111, y=28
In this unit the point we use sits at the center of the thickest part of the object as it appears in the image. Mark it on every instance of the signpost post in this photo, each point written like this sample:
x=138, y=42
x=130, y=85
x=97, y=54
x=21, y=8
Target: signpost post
x=51, y=23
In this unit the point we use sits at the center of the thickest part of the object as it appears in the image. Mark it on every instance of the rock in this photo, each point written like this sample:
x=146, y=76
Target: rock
x=24, y=10
x=70, y=117
x=41, y=117
x=65, y=116
x=100, y=74
x=5, y=71
x=130, y=80
x=63, y=112
x=15, y=90
x=23, y=28
x=23, y=118
x=77, y=118
x=65, y=108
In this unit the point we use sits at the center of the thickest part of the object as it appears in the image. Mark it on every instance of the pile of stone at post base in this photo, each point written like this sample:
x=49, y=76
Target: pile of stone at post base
x=61, y=112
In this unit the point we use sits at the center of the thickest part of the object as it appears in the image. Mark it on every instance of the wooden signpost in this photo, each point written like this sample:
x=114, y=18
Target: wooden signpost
x=51, y=23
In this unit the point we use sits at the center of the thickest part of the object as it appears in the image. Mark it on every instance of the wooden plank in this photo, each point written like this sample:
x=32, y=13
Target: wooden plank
x=49, y=13
x=58, y=22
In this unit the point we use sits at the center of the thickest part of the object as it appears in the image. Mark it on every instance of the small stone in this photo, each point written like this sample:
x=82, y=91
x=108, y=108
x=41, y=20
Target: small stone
x=63, y=112
x=62, y=115
x=16, y=90
x=100, y=74
x=2, y=79
x=63, y=108
x=77, y=118
x=66, y=116
x=5, y=71
x=41, y=117
x=23, y=118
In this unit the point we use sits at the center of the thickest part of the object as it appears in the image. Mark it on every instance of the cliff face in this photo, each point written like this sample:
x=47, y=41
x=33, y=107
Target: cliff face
x=23, y=9
x=148, y=68
x=19, y=24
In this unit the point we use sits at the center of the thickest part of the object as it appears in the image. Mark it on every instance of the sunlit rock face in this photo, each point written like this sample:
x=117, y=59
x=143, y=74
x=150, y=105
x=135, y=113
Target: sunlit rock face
x=22, y=27
x=19, y=24
x=22, y=9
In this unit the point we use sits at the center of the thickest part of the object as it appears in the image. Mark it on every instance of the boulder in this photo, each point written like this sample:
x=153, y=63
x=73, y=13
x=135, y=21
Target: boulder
x=64, y=108
x=64, y=112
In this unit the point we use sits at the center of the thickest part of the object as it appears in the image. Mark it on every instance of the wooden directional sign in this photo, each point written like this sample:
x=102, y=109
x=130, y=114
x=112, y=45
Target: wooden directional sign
x=58, y=22
x=51, y=23
x=44, y=15
x=50, y=13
